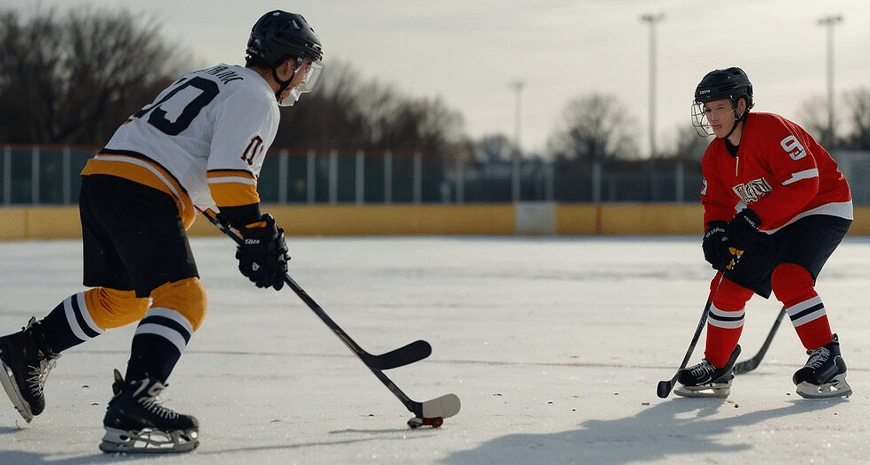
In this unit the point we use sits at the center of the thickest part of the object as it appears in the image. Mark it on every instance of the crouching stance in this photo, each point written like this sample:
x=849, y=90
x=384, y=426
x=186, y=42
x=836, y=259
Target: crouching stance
x=775, y=208
x=199, y=145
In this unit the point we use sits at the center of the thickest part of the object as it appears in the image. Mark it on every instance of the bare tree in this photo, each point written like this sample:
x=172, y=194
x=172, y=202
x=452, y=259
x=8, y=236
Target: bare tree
x=422, y=124
x=73, y=78
x=594, y=127
x=813, y=116
x=689, y=145
x=347, y=111
x=26, y=67
x=494, y=147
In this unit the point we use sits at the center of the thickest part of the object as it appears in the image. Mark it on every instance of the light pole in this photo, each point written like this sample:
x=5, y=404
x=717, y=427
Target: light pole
x=830, y=22
x=515, y=178
x=652, y=19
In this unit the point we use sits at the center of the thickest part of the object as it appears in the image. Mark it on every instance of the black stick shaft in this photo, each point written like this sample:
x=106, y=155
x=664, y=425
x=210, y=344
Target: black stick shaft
x=753, y=362
x=414, y=407
x=664, y=387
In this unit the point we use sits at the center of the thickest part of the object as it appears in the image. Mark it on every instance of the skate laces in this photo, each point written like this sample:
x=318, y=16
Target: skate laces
x=46, y=359
x=150, y=400
x=818, y=357
x=38, y=374
x=703, y=369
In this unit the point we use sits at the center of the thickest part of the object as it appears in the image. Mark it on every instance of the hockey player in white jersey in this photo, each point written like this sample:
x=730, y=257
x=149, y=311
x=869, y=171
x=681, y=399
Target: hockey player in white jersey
x=199, y=145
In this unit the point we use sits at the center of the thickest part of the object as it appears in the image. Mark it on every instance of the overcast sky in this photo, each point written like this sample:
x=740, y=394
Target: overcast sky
x=470, y=52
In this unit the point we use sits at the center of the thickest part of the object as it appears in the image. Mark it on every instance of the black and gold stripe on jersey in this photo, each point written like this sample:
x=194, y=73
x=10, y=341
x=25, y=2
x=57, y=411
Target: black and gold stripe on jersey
x=233, y=188
x=139, y=168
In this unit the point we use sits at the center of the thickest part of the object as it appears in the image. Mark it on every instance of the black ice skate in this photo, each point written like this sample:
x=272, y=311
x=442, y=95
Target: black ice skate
x=136, y=422
x=705, y=380
x=26, y=361
x=824, y=374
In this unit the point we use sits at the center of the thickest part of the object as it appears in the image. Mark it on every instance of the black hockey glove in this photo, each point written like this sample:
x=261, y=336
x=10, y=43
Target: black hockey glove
x=715, y=248
x=742, y=231
x=263, y=257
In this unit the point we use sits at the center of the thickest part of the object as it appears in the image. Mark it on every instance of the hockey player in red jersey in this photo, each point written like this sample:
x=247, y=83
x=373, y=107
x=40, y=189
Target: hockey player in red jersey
x=199, y=145
x=775, y=209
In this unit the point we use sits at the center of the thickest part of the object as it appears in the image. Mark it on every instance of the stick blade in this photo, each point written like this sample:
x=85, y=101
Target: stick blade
x=664, y=389
x=441, y=407
x=746, y=366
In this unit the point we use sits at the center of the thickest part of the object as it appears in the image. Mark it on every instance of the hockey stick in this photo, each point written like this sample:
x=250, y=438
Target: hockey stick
x=664, y=387
x=405, y=355
x=431, y=412
x=752, y=363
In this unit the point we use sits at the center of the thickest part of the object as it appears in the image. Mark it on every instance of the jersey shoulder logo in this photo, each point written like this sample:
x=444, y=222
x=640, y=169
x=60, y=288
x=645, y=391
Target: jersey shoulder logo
x=752, y=191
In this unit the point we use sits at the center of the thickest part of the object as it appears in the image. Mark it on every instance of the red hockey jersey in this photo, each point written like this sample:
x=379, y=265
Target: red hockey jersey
x=780, y=172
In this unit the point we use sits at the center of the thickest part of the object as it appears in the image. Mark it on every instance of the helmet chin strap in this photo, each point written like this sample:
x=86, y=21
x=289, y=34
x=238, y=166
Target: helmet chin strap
x=732, y=129
x=283, y=85
x=736, y=122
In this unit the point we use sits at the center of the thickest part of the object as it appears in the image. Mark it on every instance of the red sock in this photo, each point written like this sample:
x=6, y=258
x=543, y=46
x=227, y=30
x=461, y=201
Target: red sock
x=794, y=287
x=721, y=341
x=725, y=323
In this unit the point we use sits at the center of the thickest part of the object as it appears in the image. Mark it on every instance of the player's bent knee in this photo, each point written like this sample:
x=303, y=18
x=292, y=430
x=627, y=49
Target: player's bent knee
x=791, y=282
x=730, y=296
x=187, y=297
x=111, y=308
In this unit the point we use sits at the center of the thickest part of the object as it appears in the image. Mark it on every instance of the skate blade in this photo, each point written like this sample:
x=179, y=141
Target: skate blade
x=148, y=441
x=838, y=387
x=7, y=379
x=703, y=391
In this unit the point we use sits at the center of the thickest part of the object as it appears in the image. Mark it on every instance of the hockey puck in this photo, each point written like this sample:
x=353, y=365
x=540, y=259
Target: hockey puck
x=415, y=423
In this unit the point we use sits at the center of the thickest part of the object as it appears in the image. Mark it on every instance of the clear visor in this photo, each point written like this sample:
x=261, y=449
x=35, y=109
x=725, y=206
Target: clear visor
x=310, y=72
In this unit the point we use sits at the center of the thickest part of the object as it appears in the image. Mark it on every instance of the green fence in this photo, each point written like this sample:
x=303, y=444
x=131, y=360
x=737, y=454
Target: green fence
x=43, y=175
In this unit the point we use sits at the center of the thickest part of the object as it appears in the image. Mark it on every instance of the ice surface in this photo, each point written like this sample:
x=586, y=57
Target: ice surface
x=554, y=345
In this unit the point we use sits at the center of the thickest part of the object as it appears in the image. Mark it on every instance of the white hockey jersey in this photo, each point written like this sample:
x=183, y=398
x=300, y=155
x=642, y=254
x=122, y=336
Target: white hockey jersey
x=202, y=140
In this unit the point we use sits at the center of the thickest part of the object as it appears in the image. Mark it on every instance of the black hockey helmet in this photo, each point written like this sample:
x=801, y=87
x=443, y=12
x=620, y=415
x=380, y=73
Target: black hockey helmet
x=731, y=83
x=279, y=35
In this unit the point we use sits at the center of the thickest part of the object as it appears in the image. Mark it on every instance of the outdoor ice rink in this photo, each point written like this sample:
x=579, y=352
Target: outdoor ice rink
x=554, y=344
